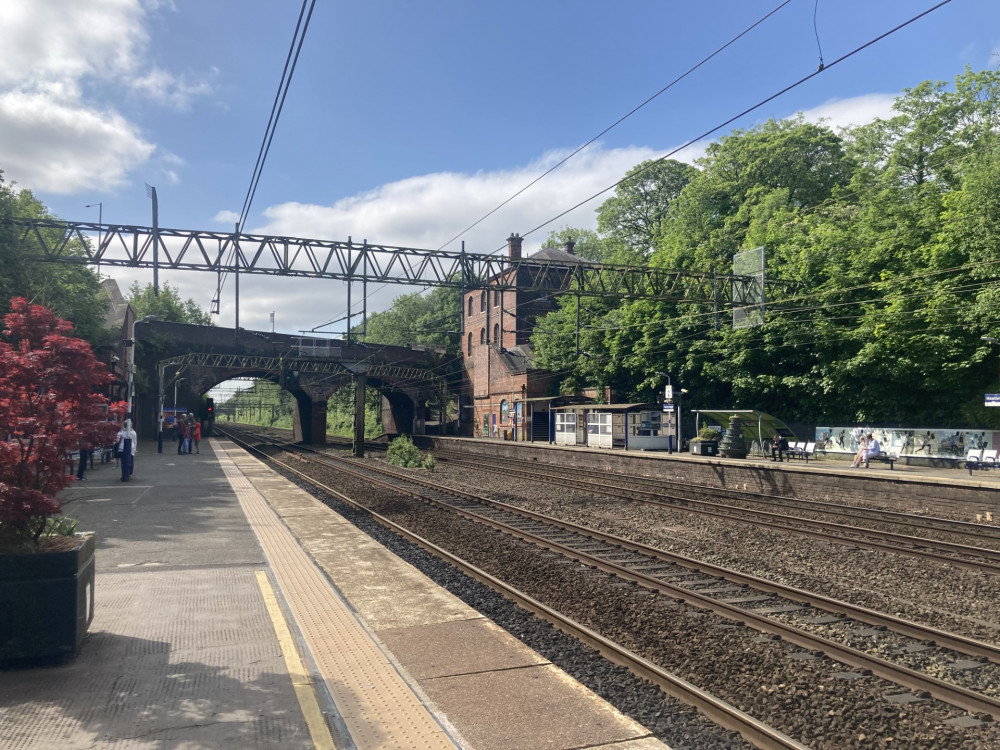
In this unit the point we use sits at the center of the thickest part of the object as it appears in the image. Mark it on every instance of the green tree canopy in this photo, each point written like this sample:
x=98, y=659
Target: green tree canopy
x=71, y=292
x=166, y=306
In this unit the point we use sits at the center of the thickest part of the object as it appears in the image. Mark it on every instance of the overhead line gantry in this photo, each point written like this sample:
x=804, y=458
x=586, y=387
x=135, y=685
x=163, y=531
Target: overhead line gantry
x=126, y=246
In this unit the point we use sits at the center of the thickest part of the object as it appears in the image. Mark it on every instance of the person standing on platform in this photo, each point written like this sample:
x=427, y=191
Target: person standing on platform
x=178, y=435
x=84, y=457
x=196, y=436
x=186, y=436
x=126, y=442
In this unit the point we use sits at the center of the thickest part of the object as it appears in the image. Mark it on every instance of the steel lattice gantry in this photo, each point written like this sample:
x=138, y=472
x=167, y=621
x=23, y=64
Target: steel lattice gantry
x=191, y=250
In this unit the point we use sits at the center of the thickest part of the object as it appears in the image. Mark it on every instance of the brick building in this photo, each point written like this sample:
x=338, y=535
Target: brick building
x=509, y=395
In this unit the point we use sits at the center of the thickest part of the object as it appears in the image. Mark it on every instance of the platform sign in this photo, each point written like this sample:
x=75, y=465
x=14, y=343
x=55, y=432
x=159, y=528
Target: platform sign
x=668, y=393
x=667, y=407
x=993, y=399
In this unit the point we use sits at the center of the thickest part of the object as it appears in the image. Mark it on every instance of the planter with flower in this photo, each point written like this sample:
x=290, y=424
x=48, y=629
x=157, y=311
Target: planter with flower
x=50, y=403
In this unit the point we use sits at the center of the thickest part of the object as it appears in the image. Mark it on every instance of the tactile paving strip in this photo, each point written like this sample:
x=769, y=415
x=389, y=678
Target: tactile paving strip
x=377, y=706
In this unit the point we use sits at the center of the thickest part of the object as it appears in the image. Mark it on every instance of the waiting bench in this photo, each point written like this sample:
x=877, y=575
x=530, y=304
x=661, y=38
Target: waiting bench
x=801, y=450
x=980, y=459
x=885, y=458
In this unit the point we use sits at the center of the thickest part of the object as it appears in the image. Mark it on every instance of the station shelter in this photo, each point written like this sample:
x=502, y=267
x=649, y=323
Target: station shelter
x=756, y=426
x=626, y=426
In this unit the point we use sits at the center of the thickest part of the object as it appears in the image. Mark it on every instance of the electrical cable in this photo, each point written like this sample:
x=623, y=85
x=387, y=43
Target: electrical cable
x=272, y=123
x=745, y=112
x=621, y=119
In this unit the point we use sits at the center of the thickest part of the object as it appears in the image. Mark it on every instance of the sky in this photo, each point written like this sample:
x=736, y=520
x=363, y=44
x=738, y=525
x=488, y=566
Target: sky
x=405, y=123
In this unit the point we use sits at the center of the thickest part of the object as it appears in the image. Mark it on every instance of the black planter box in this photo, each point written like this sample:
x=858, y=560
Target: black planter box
x=46, y=601
x=705, y=447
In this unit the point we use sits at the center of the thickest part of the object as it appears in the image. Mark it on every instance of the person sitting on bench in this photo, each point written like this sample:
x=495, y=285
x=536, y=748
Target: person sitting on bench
x=872, y=448
x=779, y=447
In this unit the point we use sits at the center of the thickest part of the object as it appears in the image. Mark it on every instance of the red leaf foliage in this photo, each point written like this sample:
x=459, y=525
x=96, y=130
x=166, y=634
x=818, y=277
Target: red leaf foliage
x=50, y=403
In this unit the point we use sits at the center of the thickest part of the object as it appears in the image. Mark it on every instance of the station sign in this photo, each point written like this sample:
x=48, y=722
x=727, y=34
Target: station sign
x=668, y=393
x=668, y=408
x=993, y=399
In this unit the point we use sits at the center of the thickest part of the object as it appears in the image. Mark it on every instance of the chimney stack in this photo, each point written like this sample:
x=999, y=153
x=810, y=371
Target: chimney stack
x=569, y=246
x=514, y=246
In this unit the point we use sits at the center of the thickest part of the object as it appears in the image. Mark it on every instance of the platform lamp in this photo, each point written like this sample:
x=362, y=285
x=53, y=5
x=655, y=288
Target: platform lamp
x=131, y=363
x=100, y=237
x=159, y=431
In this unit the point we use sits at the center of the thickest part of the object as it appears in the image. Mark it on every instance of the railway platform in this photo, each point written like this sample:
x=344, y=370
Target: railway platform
x=234, y=610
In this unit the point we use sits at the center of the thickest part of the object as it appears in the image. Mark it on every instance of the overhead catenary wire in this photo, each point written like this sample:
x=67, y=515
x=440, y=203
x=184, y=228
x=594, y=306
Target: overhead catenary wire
x=291, y=60
x=622, y=119
x=744, y=113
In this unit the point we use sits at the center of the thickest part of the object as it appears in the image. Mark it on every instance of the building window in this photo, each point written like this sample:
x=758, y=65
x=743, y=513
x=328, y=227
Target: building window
x=496, y=298
x=496, y=333
x=470, y=305
x=470, y=337
x=482, y=301
x=482, y=335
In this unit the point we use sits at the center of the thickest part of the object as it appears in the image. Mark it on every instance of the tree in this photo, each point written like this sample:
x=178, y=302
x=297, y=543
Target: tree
x=631, y=219
x=586, y=243
x=49, y=403
x=167, y=305
x=72, y=292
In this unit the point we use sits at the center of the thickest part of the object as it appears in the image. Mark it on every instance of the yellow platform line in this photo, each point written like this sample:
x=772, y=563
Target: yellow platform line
x=302, y=683
x=379, y=709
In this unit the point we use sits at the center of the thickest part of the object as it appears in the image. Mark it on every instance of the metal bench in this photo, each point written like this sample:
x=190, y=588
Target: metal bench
x=883, y=457
x=980, y=459
x=801, y=450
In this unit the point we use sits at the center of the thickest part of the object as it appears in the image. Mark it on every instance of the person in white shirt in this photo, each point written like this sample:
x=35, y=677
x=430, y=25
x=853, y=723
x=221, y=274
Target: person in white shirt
x=873, y=449
x=125, y=442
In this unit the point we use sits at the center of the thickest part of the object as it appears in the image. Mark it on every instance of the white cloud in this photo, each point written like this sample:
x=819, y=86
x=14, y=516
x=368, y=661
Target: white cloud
x=53, y=138
x=60, y=148
x=226, y=217
x=857, y=110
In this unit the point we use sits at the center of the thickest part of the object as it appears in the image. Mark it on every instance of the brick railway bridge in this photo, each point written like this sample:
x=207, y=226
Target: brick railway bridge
x=310, y=369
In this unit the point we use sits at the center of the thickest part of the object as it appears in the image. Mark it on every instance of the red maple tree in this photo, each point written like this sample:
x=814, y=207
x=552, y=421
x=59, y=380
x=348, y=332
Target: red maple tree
x=50, y=402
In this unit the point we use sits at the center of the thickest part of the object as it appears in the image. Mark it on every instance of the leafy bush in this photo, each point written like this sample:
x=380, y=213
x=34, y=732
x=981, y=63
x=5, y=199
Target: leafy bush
x=402, y=452
x=49, y=403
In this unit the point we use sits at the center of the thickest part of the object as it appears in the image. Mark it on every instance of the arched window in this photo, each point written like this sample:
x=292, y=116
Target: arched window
x=470, y=333
x=470, y=305
x=496, y=297
x=496, y=333
x=482, y=301
x=482, y=335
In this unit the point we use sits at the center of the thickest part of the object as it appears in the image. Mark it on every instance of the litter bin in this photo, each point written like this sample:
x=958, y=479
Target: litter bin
x=705, y=447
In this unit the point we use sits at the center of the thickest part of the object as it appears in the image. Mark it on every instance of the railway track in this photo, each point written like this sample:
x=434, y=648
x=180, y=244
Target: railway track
x=722, y=713
x=764, y=605
x=655, y=492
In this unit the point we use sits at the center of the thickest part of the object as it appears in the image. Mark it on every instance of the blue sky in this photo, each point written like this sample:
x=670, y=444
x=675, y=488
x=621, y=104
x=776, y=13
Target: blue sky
x=406, y=122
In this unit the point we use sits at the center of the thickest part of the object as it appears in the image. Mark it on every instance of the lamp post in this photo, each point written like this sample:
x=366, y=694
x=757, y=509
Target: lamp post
x=100, y=220
x=131, y=364
x=176, y=383
x=159, y=431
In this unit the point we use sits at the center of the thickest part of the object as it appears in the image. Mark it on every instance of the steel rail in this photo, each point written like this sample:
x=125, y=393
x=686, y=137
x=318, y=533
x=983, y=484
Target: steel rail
x=718, y=711
x=962, y=644
x=898, y=518
x=765, y=519
x=949, y=693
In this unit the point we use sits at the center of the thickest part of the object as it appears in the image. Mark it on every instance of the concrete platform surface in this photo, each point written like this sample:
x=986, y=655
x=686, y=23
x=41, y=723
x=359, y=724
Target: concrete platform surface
x=234, y=610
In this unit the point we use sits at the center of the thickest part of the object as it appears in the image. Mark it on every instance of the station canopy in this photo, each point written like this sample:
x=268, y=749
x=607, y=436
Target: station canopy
x=756, y=425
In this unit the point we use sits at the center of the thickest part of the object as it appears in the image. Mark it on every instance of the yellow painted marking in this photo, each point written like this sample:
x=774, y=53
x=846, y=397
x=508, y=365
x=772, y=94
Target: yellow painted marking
x=301, y=681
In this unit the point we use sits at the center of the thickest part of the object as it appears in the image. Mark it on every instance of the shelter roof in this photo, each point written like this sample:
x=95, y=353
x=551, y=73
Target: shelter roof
x=752, y=422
